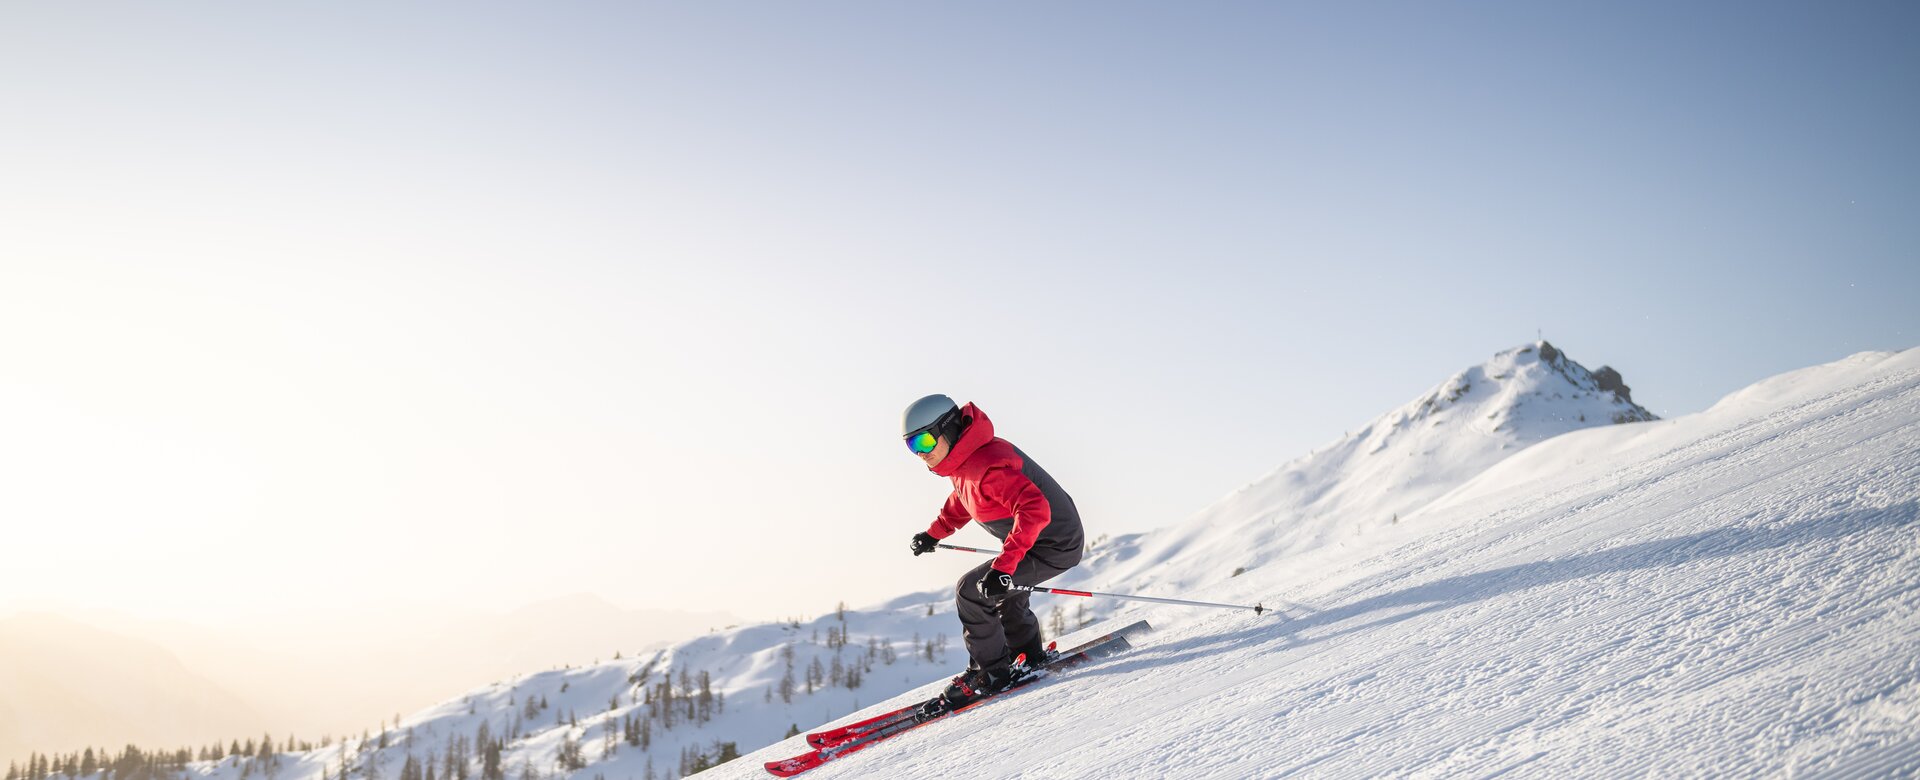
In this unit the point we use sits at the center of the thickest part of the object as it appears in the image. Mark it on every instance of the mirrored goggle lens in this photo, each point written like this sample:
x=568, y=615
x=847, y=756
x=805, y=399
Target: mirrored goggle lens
x=921, y=443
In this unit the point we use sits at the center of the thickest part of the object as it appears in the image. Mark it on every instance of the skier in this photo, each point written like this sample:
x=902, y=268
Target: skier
x=998, y=486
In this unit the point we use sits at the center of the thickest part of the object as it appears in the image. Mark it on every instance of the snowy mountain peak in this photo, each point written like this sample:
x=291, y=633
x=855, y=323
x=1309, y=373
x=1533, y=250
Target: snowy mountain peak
x=1381, y=474
x=1529, y=393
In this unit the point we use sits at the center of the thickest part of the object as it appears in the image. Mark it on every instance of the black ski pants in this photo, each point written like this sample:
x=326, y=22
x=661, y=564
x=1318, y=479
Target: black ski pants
x=994, y=629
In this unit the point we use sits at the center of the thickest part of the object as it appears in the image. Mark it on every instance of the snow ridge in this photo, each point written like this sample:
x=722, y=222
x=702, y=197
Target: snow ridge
x=1378, y=476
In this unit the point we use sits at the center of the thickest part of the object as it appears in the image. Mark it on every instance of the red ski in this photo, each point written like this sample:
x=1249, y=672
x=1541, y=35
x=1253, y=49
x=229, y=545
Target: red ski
x=831, y=737
x=834, y=743
x=1055, y=660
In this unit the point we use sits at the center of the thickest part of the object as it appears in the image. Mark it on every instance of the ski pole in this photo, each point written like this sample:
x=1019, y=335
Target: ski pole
x=1257, y=609
x=968, y=549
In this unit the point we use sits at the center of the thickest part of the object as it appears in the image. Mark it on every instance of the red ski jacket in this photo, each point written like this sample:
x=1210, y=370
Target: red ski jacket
x=998, y=486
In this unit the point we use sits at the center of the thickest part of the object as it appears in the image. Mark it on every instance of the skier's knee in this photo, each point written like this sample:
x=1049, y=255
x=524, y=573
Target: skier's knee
x=967, y=588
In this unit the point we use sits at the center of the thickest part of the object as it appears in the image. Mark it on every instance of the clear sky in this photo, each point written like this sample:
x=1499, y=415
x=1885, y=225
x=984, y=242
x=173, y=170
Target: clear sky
x=337, y=305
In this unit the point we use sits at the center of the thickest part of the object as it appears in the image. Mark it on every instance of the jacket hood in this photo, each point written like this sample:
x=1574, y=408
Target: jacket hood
x=979, y=431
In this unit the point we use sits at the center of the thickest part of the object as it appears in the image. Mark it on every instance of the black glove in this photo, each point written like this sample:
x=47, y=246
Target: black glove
x=924, y=542
x=996, y=584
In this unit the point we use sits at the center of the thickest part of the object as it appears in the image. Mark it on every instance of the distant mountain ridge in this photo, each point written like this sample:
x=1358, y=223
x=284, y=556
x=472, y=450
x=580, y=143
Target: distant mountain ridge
x=65, y=685
x=272, y=680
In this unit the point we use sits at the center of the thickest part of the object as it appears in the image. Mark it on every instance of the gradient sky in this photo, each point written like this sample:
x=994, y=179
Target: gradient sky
x=336, y=306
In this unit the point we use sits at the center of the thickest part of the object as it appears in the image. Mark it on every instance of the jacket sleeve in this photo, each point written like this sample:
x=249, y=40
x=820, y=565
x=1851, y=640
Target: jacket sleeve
x=1031, y=513
x=953, y=517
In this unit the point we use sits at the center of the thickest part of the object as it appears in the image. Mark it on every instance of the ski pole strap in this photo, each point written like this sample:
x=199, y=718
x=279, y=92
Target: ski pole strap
x=1257, y=609
x=944, y=545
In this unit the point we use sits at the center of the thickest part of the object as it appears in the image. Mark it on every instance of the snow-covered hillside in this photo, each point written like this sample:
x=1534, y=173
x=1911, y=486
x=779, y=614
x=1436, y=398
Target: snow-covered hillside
x=1735, y=593
x=654, y=714
x=1469, y=583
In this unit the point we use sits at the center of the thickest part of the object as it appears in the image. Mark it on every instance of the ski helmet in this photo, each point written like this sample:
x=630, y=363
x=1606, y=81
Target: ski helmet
x=936, y=414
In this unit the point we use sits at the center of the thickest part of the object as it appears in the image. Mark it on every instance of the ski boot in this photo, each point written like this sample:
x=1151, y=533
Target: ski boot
x=970, y=686
x=1029, y=658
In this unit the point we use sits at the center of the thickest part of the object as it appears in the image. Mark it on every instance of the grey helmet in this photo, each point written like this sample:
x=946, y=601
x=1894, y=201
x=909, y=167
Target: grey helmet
x=936, y=412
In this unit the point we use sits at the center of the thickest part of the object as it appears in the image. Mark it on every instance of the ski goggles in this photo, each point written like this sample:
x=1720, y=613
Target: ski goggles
x=922, y=443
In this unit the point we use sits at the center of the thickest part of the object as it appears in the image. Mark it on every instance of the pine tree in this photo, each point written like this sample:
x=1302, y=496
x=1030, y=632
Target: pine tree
x=453, y=746
x=706, y=696
x=490, y=768
x=570, y=756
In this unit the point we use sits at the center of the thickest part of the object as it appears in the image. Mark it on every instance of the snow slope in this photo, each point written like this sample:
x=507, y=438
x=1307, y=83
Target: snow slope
x=1735, y=593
